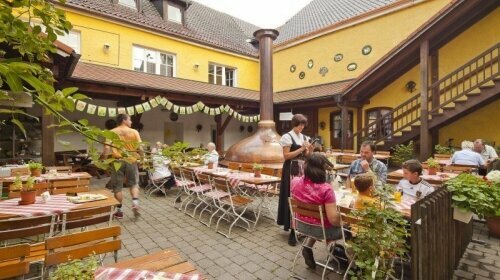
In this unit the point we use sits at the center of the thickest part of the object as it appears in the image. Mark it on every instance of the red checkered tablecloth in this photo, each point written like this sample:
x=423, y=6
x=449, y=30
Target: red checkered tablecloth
x=111, y=273
x=56, y=205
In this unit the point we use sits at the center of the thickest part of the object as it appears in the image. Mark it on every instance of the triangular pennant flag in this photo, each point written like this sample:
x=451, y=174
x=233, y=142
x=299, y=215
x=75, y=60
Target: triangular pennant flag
x=195, y=108
x=176, y=109
x=226, y=108
x=163, y=101
x=112, y=112
x=153, y=103
x=130, y=110
x=231, y=111
x=101, y=111
x=80, y=105
x=169, y=105
x=206, y=110
x=258, y=117
x=139, y=109
x=146, y=106
x=91, y=109
x=189, y=110
x=122, y=110
x=182, y=110
x=217, y=111
x=222, y=108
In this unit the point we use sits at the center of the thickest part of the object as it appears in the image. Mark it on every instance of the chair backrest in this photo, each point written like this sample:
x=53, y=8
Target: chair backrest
x=204, y=179
x=221, y=184
x=247, y=166
x=26, y=227
x=233, y=166
x=21, y=171
x=269, y=171
x=385, y=153
x=459, y=168
x=442, y=156
x=348, y=223
x=188, y=174
x=61, y=249
x=247, y=169
x=74, y=186
x=347, y=159
x=86, y=217
x=14, y=256
x=38, y=187
x=307, y=210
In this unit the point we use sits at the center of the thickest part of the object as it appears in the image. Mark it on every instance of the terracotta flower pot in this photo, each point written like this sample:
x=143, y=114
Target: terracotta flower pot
x=36, y=172
x=210, y=165
x=256, y=173
x=493, y=224
x=432, y=170
x=28, y=197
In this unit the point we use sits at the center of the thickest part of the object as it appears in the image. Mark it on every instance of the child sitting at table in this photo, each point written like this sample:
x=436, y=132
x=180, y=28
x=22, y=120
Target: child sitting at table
x=364, y=186
x=412, y=185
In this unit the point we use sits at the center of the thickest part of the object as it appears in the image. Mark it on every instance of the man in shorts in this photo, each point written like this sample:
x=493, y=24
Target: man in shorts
x=128, y=172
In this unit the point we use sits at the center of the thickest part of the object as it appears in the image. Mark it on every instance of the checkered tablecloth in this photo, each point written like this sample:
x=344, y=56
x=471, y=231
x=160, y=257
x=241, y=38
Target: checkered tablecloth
x=56, y=205
x=111, y=273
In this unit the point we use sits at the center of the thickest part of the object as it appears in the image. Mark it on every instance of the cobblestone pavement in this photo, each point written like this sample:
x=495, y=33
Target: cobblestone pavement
x=480, y=261
x=259, y=254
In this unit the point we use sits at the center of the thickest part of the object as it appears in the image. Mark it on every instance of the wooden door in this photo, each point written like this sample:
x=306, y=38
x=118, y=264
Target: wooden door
x=336, y=129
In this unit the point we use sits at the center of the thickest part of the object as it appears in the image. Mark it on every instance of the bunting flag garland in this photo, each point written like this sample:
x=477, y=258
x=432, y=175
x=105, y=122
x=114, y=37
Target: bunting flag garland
x=103, y=111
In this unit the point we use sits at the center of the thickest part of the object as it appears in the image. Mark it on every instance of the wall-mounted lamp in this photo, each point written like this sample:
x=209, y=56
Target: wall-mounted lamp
x=411, y=86
x=196, y=66
x=322, y=125
x=106, y=47
x=199, y=127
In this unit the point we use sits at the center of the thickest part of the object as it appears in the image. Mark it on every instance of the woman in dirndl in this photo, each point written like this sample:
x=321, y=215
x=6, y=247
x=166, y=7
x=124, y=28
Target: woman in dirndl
x=295, y=147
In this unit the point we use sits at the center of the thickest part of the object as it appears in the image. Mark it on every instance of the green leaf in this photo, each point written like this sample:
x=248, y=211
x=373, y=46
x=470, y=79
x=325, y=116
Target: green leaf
x=69, y=91
x=117, y=165
x=19, y=125
x=14, y=82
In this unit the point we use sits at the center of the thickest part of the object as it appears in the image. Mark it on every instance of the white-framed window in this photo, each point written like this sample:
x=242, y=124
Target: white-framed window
x=154, y=62
x=71, y=39
x=221, y=75
x=174, y=14
x=128, y=3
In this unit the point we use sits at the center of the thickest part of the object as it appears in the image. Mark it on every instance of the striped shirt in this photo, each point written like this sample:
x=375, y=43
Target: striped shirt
x=376, y=166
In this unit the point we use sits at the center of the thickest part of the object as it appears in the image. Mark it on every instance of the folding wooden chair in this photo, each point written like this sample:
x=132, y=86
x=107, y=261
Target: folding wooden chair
x=211, y=197
x=86, y=217
x=195, y=192
x=182, y=184
x=12, y=261
x=157, y=185
x=61, y=249
x=317, y=212
x=39, y=188
x=70, y=186
x=233, y=206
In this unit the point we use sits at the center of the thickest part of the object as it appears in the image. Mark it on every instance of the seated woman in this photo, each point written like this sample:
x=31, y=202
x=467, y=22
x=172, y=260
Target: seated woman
x=412, y=185
x=313, y=189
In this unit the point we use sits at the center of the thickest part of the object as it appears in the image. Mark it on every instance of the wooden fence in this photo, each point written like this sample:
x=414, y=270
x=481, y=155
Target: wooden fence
x=438, y=241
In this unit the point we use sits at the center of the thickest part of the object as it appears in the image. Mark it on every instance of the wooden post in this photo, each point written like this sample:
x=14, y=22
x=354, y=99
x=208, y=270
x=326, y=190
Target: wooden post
x=359, y=113
x=221, y=127
x=424, y=112
x=434, y=93
x=48, y=138
x=266, y=38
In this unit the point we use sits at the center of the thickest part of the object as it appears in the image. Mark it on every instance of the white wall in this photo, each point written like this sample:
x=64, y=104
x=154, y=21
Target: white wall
x=154, y=122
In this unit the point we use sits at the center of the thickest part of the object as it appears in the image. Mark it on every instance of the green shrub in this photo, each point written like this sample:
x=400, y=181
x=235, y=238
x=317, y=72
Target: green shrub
x=403, y=153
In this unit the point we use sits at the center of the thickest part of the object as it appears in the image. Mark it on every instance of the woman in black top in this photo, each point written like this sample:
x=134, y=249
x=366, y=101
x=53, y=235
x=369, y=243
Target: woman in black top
x=295, y=147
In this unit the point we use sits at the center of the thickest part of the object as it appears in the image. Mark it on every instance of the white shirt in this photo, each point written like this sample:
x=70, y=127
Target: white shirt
x=286, y=140
x=488, y=153
x=160, y=166
x=212, y=156
x=410, y=189
x=467, y=157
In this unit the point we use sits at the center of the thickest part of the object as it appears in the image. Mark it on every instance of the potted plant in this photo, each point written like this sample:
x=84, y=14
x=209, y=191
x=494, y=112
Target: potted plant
x=432, y=166
x=27, y=191
x=76, y=269
x=468, y=197
x=257, y=169
x=492, y=212
x=443, y=150
x=35, y=168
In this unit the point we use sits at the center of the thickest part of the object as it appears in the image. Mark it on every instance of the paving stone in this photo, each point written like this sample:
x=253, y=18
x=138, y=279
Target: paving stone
x=464, y=274
x=251, y=267
x=479, y=271
x=492, y=269
x=215, y=271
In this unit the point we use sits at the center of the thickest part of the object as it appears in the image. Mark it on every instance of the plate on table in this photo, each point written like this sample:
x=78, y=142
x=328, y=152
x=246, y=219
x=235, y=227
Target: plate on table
x=86, y=198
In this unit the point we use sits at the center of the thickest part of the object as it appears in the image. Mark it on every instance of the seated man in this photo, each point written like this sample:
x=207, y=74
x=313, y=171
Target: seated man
x=368, y=163
x=488, y=154
x=466, y=156
x=212, y=156
x=412, y=185
x=160, y=167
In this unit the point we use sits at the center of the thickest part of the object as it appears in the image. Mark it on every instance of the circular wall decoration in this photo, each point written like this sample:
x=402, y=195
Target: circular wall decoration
x=323, y=70
x=302, y=75
x=352, y=66
x=338, y=57
x=366, y=50
x=310, y=64
x=293, y=68
x=174, y=116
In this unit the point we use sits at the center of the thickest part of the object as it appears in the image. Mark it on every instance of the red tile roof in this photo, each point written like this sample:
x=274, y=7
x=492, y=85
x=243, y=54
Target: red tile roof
x=310, y=93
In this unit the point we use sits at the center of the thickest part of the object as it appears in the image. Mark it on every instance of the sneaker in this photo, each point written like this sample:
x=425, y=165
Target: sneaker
x=307, y=253
x=118, y=215
x=135, y=209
